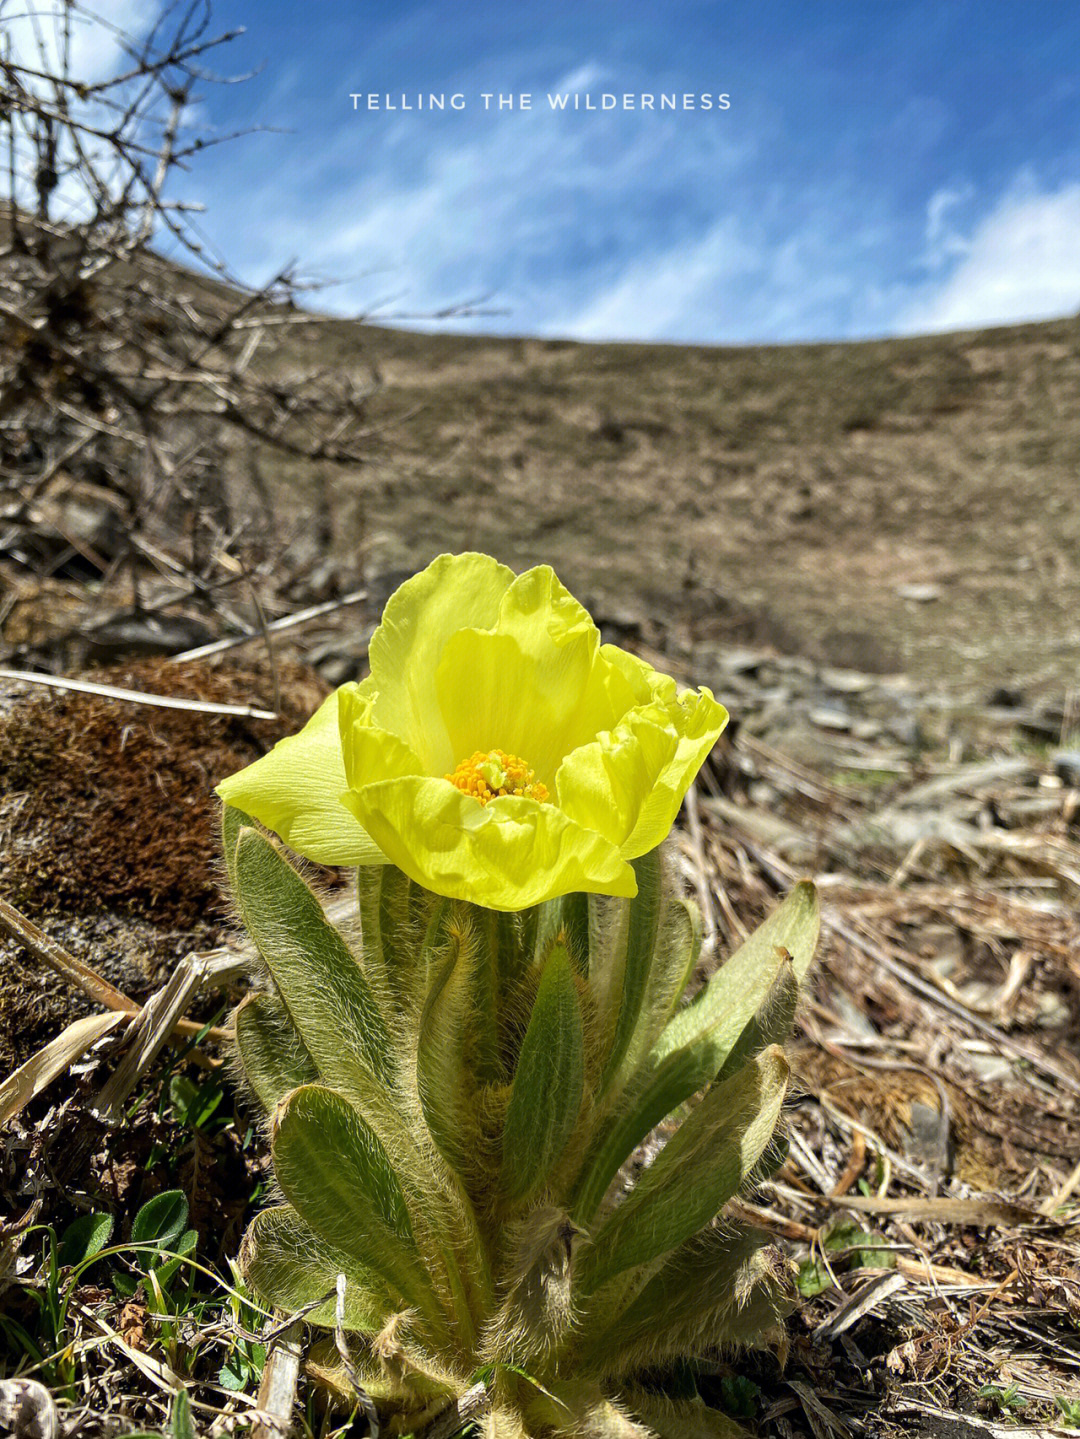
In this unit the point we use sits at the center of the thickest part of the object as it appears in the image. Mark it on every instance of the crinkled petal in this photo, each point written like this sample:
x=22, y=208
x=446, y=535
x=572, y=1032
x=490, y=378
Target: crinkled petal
x=629, y=783
x=640, y=683
x=540, y=612
x=538, y=684
x=453, y=592
x=296, y=790
x=604, y=785
x=560, y=636
x=508, y=855
x=370, y=752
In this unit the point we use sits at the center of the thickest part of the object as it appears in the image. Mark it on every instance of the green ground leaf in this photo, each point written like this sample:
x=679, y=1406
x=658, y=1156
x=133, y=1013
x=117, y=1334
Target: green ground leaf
x=84, y=1237
x=183, y=1426
x=161, y=1220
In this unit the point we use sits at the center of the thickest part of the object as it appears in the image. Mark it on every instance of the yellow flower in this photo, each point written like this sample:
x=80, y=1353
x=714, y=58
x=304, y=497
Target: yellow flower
x=498, y=752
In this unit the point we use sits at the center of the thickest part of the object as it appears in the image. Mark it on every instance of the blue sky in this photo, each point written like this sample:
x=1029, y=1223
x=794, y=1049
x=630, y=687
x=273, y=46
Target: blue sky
x=885, y=166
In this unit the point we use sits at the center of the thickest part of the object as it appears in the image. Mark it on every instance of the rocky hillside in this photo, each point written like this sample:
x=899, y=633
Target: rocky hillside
x=903, y=505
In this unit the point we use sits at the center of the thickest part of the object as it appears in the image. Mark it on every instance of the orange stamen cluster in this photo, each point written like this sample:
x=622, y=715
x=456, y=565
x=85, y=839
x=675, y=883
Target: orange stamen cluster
x=488, y=775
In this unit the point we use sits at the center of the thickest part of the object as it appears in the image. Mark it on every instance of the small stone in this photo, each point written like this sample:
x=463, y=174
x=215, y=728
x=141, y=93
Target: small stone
x=922, y=594
x=1008, y=697
x=742, y=662
x=990, y=1068
x=929, y=1135
x=828, y=718
x=906, y=730
x=866, y=729
x=1067, y=767
x=129, y=635
x=339, y=660
x=846, y=682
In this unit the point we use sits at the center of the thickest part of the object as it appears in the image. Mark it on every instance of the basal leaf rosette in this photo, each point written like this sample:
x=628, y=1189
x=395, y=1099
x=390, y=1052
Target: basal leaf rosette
x=498, y=752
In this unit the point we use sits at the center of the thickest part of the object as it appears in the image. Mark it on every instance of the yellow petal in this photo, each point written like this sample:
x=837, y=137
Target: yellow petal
x=508, y=855
x=296, y=790
x=370, y=752
x=536, y=684
x=453, y=592
x=629, y=783
x=492, y=696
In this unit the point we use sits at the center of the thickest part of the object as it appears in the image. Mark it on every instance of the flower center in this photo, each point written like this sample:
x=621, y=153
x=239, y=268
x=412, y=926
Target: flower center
x=487, y=776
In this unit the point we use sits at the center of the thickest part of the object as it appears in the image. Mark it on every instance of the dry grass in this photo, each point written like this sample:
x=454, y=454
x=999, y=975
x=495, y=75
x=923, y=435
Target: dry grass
x=769, y=494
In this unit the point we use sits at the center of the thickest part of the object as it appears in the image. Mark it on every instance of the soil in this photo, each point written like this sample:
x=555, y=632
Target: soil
x=109, y=826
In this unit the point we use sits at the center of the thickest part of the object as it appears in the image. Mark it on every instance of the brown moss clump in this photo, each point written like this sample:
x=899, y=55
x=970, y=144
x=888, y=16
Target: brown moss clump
x=108, y=806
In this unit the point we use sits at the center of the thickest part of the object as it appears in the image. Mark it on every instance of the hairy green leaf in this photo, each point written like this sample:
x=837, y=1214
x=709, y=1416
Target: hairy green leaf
x=695, y=1174
x=274, y=1056
x=696, y=1043
x=712, y=1289
x=183, y=1426
x=678, y=950
x=400, y=935
x=323, y=987
x=290, y=1266
x=233, y=820
x=337, y=1176
x=739, y=987
x=772, y=1023
x=446, y=1084
x=636, y=955
x=546, y=1097
x=681, y=1418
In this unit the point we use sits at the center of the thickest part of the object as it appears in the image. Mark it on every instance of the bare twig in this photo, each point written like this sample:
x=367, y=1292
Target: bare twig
x=287, y=622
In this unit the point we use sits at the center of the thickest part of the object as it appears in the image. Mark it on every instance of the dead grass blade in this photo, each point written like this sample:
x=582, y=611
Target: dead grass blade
x=277, y=1390
x=52, y=1060
x=58, y=959
x=160, y=1016
x=61, y=962
x=114, y=692
x=980, y=1209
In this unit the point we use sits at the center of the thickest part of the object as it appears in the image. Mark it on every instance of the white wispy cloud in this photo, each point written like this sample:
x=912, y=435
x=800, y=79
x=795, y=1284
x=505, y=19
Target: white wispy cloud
x=524, y=207
x=657, y=296
x=647, y=227
x=1020, y=262
x=806, y=273
x=944, y=240
x=582, y=77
